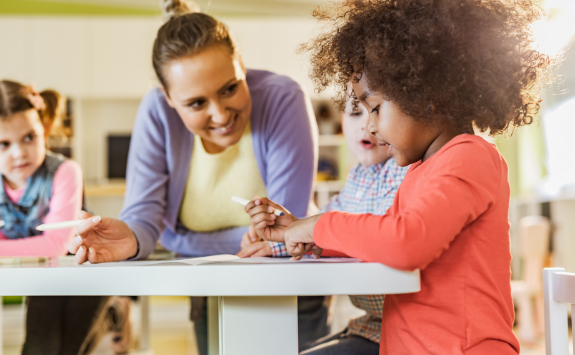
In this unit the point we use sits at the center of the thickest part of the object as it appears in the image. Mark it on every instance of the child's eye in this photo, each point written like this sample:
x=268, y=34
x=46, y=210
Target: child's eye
x=30, y=137
x=231, y=89
x=376, y=109
x=4, y=145
x=355, y=113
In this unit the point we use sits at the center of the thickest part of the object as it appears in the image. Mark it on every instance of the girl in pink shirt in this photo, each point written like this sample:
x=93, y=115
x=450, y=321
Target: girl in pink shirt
x=42, y=187
x=37, y=186
x=430, y=72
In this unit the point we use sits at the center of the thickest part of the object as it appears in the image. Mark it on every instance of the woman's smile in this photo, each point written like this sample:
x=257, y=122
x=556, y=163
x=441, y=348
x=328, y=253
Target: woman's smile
x=228, y=128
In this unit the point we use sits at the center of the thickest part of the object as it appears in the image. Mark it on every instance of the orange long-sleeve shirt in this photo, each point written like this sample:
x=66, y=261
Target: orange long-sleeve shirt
x=450, y=220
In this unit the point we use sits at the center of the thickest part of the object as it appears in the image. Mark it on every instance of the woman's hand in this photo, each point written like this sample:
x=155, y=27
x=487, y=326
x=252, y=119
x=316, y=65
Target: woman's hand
x=101, y=240
x=299, y=238
x=267, y=225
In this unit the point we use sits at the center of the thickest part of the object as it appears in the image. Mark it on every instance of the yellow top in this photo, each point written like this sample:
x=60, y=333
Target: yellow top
x=212, y=181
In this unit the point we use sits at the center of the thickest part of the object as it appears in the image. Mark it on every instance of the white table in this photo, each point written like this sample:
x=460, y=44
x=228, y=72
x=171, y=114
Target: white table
x=252, y=308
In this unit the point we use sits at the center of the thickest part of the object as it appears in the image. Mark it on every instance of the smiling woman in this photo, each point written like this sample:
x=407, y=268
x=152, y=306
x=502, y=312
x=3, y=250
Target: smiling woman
x=213, y=130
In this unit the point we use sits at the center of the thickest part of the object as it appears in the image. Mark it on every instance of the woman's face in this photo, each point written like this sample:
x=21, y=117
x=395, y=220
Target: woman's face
x=210, y=93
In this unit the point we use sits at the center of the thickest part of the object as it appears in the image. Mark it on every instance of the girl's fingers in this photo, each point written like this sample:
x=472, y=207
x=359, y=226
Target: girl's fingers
x=257, y=219
x=80, y=256
x=252, y=234
x=260, y=209
x=262, y=252
x=74, y=244
x=261, y=226
x=316, y=252
x=244, y=253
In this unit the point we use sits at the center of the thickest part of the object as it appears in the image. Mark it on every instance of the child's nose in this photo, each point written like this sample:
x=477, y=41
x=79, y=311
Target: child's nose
x=17, y=151
x=371, y=129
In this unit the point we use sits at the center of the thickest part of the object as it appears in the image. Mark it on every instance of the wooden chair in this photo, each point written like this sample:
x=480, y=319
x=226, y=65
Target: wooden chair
x=558, y=289
x=534, y=238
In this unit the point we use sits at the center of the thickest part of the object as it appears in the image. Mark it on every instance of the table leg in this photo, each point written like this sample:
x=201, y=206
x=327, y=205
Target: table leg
x=145, y=324
x=258, y=325
x=213, y=326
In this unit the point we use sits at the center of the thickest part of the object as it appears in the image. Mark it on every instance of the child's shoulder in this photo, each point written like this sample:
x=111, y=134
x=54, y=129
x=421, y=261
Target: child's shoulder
x=468, y=154
x=68, y=168
x=469, y=146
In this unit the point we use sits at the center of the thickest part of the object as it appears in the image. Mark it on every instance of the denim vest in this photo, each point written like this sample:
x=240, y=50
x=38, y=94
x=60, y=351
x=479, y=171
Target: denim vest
x=22, y=218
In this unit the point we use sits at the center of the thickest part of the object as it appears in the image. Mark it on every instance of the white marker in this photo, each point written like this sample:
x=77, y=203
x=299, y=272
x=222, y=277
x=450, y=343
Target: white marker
x=58, y=225
x=243, y=201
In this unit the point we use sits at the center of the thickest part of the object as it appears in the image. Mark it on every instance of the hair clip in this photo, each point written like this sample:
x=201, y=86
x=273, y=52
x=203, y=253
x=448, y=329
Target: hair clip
x=34, y=97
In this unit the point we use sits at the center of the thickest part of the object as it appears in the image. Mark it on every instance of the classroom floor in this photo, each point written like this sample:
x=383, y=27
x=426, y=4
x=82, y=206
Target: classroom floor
x=172, y=332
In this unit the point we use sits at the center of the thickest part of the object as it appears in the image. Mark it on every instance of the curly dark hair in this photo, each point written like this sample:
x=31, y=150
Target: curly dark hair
x=470, y=61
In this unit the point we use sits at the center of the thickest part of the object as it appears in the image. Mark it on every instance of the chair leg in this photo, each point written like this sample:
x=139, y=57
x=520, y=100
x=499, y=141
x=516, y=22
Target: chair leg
x=526, y=328
x=540, y=314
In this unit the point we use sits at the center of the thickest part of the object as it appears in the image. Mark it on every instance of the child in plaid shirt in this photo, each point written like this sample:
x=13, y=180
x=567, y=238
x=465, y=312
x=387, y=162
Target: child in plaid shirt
x=370, y=188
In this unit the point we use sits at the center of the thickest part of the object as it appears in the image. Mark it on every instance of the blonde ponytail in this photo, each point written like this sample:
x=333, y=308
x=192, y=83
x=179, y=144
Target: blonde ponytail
x=51, y=115
x=175, y=8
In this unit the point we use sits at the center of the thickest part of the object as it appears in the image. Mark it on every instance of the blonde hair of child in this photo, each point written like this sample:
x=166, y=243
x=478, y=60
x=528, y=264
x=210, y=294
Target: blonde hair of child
x=15, y=97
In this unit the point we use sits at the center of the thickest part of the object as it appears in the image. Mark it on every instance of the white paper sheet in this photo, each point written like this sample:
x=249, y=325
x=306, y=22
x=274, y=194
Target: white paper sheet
x=224, y=259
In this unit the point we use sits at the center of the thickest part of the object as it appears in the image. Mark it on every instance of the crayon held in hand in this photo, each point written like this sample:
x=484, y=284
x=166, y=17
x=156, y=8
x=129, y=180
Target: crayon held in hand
x=243, y=201
x=58, y=225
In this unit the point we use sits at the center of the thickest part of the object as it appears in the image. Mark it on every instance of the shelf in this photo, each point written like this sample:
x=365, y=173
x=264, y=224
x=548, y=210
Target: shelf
x=328, y=186
x=117, y=189
x=331, y=140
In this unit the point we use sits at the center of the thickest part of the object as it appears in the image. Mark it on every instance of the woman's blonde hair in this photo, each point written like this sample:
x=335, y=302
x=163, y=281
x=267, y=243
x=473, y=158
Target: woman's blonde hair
x=185, y=32
x=15, y=97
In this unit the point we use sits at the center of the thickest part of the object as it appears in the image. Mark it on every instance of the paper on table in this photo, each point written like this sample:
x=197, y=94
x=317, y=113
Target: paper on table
x=189, y=261
x=264, y=260
x=227, y=259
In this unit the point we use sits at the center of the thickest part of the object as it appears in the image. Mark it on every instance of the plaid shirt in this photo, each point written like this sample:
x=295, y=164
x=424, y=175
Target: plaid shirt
x=367, y=190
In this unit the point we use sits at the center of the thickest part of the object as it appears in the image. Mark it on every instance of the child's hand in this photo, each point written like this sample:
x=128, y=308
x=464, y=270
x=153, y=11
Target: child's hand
x=299, y=238
x=267, y=225
x=249, y=237
x=256, y=249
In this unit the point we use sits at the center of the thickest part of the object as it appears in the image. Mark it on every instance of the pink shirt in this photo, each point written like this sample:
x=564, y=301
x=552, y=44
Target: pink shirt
x=65, y=204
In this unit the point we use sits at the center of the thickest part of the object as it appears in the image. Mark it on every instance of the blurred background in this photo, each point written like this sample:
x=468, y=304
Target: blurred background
x=98, y=53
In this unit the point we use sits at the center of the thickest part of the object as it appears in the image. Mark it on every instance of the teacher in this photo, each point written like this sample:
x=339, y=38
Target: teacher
x=213, y=130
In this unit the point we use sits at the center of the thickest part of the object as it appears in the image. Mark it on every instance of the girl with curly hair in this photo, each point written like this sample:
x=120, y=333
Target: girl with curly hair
x=430, y=72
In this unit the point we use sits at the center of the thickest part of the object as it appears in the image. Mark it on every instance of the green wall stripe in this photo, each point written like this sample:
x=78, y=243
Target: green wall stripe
x=39, y=7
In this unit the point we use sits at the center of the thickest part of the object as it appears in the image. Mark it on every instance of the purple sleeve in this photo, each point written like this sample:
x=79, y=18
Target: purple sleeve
x=146, y=178
x=292, y=150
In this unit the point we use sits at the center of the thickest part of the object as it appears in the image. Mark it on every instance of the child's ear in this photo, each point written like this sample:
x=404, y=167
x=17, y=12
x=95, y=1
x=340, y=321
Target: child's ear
x=168, y=99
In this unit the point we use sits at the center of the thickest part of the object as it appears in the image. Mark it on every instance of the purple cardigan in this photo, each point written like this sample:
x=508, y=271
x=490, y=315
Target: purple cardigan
x=285, y=145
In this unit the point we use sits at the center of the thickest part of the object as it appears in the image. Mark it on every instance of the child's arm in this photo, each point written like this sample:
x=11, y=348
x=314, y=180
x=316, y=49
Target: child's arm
x=465, y=186
x=65, y=204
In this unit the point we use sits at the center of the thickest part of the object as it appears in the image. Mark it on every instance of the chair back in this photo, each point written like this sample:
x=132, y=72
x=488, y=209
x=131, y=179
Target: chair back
x=558, y=290
x=534, y=237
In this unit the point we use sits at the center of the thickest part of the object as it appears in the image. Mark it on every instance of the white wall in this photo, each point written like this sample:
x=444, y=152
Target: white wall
x=111, y=57
x=104, y=65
